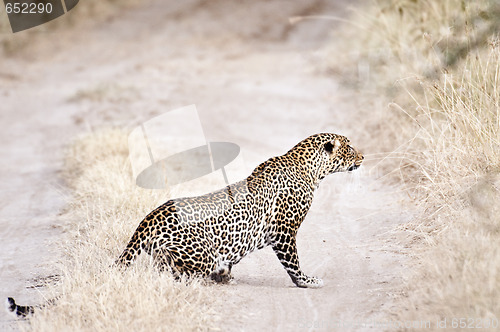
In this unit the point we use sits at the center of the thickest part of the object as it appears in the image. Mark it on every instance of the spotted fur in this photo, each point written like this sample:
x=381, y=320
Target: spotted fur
x=206, y=235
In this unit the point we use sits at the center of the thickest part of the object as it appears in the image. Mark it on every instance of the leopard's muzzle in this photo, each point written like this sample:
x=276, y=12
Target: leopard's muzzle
x=356, y=163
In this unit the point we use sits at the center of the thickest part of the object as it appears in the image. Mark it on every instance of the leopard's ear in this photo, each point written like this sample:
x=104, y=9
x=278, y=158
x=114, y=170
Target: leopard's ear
x=332, y=146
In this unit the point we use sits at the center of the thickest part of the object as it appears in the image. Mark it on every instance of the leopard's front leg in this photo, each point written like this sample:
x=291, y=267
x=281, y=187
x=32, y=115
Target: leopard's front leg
x=287, y=254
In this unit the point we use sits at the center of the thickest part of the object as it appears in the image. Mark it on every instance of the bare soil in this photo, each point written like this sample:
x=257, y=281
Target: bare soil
x=254, y=80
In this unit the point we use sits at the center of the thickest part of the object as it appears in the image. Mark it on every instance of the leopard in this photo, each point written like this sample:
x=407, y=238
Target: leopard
x=205, y=236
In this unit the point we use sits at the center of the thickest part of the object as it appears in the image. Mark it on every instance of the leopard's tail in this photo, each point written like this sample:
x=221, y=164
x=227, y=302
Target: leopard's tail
x=133, y=249
x=18, y=310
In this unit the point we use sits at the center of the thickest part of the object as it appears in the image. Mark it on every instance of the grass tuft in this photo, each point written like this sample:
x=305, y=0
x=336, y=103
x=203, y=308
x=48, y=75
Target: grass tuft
x=93, y=295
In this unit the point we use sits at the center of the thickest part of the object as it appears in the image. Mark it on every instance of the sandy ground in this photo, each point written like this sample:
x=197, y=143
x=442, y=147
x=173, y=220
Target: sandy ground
x=254, y=81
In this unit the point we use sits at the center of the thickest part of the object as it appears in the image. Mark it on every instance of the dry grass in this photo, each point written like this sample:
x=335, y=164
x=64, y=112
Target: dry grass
x=92, y=295
x=438, y=64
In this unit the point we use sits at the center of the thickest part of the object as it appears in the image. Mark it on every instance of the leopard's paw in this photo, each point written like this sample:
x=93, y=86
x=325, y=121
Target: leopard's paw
x=222, y=274
x=309, y=282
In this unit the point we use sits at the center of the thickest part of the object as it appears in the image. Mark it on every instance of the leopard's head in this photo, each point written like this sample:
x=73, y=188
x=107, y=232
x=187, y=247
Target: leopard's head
x=342, y=156
x=326, y=153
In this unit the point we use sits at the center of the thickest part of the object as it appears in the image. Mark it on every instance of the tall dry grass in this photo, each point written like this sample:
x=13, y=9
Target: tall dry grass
x=455, y=166
x=92, y=295
x=438, y=65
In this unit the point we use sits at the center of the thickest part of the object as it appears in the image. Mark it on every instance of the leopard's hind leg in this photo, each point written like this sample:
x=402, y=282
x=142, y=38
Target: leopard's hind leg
x=164, y=262
x=197, y=259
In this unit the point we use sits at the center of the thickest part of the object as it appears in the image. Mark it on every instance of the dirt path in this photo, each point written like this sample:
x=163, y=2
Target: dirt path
x=252, y=77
